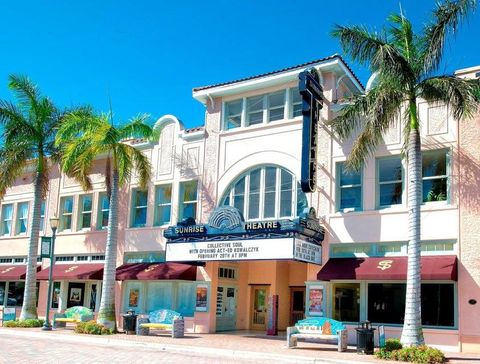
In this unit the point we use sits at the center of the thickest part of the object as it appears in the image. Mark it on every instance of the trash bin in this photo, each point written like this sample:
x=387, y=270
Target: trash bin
x=129, y=322
x=365, y=338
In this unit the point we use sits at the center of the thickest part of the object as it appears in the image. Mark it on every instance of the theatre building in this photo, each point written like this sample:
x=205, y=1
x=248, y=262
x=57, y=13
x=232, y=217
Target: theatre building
x=224, y=234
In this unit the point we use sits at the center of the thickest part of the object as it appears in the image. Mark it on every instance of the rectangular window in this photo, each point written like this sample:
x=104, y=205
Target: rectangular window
x=390, y=181
x=386, y=303
x=254, y=110
x=15, y=293
x=270, y=192
x=85, y=212
x=286, y=193
x=7, y=215
x=163, y=204
x=139, y=208
x=434, y=175
x=276, y=106
x=188, y=200
x=296, y=102
x=103, y=210
x=346, y=302
x=22, y=217
x=254, y=195
x=239, y=194
x=350, y=188
x=66, y=212
x=233, y=114
x=42, y=216
x=2, y=293
x=56, y=294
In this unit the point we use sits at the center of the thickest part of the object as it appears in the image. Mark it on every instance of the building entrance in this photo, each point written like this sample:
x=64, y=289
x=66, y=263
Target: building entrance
x=259, y=307
x=226, y=310
x=297, y=304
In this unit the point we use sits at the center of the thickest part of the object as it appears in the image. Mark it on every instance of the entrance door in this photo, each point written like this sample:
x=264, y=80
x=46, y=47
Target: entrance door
x=226, y=311
x=259, y=308
x=297, y=304
x=76, y=294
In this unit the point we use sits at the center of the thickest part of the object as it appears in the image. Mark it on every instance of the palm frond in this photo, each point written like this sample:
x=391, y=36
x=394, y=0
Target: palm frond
x=13, y=159
x=447, y=16
x=136, y=128
x=25, y=91
x=124, y=163
x=458, y=93
x=142, y=166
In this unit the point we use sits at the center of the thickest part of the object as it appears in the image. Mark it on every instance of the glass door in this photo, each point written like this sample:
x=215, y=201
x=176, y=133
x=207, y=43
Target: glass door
x=259, y=307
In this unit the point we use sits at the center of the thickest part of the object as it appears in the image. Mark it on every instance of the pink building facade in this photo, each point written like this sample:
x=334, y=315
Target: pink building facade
x=247, y=156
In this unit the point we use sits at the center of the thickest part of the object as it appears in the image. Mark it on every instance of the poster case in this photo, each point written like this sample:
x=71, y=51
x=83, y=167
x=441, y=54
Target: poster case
x=316, y=300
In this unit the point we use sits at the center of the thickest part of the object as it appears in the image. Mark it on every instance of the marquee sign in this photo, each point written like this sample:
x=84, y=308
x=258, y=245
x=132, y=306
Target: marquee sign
x=255, y=249
x=312, y=102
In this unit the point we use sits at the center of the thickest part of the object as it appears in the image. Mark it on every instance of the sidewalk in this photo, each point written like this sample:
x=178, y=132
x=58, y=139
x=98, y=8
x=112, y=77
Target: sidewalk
x=234, y=345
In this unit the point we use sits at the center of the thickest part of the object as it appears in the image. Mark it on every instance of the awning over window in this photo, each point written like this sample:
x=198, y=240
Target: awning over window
x=152, y=271
x=13, y=272
x=73, y=271
x=388, y=268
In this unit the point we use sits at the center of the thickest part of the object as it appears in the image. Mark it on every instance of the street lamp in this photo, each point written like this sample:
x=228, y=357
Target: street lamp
x=54, y=225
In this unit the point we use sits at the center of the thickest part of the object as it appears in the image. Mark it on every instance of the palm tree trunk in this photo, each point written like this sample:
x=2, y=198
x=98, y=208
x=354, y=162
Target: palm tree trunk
x=412, y=333
x=29, y=307
x=106, y=314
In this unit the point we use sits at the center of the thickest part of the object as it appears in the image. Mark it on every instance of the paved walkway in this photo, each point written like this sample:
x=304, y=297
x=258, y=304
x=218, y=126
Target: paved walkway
x=239, y=346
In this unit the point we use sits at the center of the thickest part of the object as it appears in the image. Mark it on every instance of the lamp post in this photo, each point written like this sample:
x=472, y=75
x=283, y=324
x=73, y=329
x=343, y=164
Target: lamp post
x=54, y=225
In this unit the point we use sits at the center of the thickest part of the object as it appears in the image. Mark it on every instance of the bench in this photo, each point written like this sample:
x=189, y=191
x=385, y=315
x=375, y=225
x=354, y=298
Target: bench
x=320, y=328
x=164, y=319
x=73, y=315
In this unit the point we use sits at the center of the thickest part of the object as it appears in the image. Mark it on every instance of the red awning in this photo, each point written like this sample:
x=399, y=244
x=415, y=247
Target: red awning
x=442, y=267
x=152, y=271
x=13, y=272
x=73, y=271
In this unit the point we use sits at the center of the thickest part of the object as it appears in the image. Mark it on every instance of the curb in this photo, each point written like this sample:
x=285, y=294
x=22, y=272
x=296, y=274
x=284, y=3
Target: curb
x=181, y=349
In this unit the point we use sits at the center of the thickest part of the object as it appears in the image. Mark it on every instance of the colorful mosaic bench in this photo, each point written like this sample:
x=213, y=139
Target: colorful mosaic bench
x=73, y=315
x=162, y=320
x=320, y=328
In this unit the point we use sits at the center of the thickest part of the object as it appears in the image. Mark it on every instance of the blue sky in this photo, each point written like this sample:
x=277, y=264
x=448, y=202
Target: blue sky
x=146, y=56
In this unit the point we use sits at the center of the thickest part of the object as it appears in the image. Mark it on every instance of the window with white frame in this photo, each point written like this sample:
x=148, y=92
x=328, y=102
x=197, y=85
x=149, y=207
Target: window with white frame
x=22, y=217
x=296, y=103
x=188, y=200
x=266, y=192
x=390, y=181
x=163, y=204
x=66, y=213
x=255, y=110
x=261, y=109
x=276, y=106
x=7, y=216
x=85, y=212
x=349, y=189
x=103, y=210
x=42, y=216
x=435, y=175
x=139, y=207
x=233, y=114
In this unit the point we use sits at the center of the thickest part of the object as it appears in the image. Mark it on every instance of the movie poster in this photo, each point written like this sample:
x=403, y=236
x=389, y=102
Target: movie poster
x=201, y=298
x=133, y=297
x=315, y=300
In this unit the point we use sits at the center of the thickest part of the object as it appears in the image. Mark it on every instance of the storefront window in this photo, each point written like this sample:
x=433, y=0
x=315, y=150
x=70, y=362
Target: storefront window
x=349, y=190
x=434, y=175
x=265, y=193
x=159, y=295
x=186, y=298
x=346, y=302
x=2, y=293
x=386, y=303
x=56, y=294
x=389, y=189
x=15, y=293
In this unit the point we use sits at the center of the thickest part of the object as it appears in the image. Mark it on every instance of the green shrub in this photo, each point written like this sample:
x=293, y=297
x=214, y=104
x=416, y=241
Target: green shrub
x=415, y=354
x=92, y=328
x=24, y=323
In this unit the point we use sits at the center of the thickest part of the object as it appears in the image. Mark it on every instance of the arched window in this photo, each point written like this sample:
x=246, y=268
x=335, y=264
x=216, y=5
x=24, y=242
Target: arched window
x=266, y=192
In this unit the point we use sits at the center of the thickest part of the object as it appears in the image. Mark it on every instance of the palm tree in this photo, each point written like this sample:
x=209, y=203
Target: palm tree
x=28, y=144
x=85, y=137
x=404, y=63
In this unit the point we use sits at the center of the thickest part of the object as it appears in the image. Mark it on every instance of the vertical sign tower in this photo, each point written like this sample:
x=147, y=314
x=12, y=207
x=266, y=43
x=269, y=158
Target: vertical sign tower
x=312, y=102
